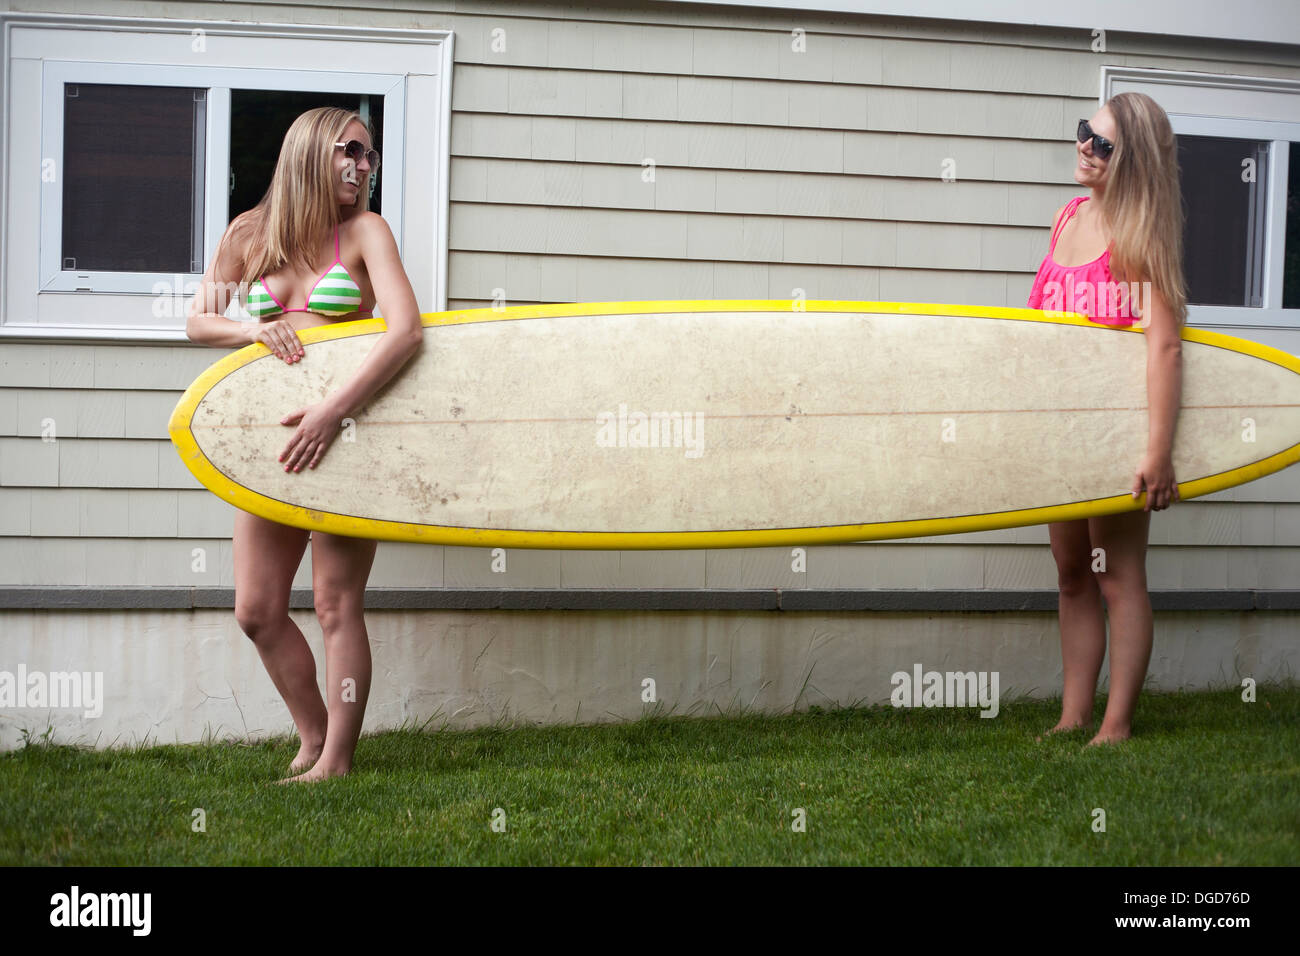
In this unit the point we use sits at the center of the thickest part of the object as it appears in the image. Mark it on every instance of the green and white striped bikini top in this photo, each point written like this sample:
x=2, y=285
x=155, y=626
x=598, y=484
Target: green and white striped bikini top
x=333, y=294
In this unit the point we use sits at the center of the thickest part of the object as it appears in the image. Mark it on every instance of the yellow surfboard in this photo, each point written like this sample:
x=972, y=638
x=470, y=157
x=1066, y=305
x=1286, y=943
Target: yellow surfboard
x=711, y=424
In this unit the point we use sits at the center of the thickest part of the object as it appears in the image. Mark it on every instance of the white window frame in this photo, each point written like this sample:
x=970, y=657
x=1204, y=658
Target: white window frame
x=1250, y=123
x=215, y=200
x=160, y=52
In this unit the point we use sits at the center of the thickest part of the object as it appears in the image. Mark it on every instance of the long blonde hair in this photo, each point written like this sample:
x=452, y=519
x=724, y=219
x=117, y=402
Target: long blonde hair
x=1142, y=203
x=300, y=205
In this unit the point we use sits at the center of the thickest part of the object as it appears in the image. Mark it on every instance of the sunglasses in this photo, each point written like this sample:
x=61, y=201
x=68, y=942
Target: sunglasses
x=354, y=149
x=1101, y=146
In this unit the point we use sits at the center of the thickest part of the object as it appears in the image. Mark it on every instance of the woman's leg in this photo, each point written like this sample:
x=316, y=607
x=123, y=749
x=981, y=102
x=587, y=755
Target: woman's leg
x=1123, y=537
x=1083, y=625
x=266, y=557
x=340, y=568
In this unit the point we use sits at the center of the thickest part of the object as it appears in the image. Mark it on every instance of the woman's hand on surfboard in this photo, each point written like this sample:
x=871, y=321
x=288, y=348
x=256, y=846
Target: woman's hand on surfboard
x=1155, y=473
x=281, y=338
x=318, y=425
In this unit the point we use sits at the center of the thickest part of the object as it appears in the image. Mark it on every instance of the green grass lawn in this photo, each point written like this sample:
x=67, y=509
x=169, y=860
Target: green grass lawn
x=1208, y=779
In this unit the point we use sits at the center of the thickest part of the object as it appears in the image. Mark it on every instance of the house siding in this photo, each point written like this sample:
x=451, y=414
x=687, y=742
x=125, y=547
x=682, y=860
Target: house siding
x=773, y=171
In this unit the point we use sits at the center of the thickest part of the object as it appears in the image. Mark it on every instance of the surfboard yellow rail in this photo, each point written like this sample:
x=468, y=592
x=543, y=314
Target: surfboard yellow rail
x=297, y=516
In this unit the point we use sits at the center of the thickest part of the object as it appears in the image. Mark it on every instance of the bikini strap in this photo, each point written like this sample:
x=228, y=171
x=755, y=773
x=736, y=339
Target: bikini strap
x=1070, y=207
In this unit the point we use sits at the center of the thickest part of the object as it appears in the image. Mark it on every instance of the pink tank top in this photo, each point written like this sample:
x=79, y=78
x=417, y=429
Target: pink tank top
x=1089, y=289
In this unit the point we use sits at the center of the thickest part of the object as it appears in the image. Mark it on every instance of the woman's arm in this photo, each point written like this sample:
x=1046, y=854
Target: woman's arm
x=207, y=323
x=1164, y=397
x=319, y=424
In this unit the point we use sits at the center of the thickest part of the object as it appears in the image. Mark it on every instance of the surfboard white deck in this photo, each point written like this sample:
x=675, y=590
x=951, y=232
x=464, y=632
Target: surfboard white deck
x=846, y=421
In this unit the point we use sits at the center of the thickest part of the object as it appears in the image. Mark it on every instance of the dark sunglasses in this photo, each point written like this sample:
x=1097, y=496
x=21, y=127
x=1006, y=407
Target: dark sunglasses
x=1101, y=146
x=354, y=149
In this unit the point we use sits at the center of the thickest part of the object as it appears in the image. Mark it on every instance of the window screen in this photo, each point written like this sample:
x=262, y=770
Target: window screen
x=133, y=160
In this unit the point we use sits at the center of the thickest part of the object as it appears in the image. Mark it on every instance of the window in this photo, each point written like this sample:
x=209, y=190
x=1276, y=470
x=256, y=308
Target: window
x=128, y=152
x=138, y=207
x=136, y=155
x=1241, y=243
x=1291, y=284
x=1236, y=254
x=258, y=121
x=1224, y=201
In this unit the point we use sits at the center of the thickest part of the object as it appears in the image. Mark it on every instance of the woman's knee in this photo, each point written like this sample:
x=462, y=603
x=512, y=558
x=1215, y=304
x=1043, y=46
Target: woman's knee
x=337, y=609
x=1122, y=550
x=259, y=619
x=1072, y=553
x=1120, y=582
x=1074, y=577
x=1073, y=568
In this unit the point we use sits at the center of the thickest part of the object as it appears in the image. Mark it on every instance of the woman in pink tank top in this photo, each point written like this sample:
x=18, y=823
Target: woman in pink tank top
x=1089, y=288
x=1129, y=229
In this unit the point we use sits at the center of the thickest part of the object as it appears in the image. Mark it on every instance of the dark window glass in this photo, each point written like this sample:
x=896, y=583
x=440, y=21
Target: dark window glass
x=133, y=178
x=1224, y=191
x=258, y=121
x=1291, y=270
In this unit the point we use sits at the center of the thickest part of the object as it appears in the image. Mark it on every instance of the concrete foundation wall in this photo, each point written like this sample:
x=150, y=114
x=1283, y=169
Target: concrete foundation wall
x=178, y=676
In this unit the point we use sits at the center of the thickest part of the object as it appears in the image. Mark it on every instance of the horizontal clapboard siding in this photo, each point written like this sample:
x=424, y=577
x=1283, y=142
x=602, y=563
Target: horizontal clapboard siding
x=113, y=512
x=618, y=280
x=773, y=171
x=86, y=412
x=668, y=234
x=738, y=178
x=105, y=510
x=132, y=367
x=171, y=562
x=92, y=463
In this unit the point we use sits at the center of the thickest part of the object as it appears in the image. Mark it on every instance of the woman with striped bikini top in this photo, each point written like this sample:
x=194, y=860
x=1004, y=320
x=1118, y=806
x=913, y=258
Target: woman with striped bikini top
x=334, y=294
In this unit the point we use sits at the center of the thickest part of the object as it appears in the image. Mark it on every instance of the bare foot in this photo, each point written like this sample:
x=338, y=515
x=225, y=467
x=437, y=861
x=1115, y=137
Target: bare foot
x=1062, y=727
x=317, y=773
x=307, y=756
x=1109, y=737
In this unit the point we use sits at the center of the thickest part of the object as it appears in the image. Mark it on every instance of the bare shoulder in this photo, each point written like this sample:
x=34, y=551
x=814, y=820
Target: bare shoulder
x=373, y=233
x=243, y=223
x=232, y=250
x=238, y=233
x=370, y=223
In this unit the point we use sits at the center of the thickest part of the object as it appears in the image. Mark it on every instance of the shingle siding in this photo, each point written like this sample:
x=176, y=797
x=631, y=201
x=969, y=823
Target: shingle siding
x=774, y=170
